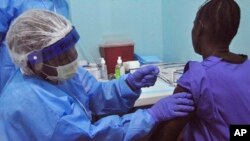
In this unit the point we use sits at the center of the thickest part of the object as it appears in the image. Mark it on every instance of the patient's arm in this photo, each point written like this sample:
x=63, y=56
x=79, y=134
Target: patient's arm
x=171, y=130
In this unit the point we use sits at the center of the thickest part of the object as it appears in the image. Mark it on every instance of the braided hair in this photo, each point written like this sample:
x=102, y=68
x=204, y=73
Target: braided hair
x=221, y=18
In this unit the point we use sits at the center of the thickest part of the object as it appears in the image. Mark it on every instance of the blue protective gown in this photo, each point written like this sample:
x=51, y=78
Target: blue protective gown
x=9, y=10
x=32, y=109
x=221, y=94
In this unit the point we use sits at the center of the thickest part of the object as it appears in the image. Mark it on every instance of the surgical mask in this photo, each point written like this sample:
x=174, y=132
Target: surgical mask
x=63, y=72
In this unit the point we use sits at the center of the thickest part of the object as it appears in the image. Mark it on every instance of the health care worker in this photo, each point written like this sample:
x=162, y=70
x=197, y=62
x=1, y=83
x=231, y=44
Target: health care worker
x=9, y=10
x=47, y=100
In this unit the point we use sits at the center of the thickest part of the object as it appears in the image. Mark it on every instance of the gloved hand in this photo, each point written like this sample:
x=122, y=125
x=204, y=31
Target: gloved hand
x=143, y=77
x=177, y=105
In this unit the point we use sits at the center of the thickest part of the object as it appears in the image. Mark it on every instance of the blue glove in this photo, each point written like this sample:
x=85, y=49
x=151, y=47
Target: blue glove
x=177, y=105
x=143, y=77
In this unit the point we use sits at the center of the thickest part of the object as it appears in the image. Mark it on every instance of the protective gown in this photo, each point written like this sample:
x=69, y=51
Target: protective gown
x=9, y=10
x=32, y=109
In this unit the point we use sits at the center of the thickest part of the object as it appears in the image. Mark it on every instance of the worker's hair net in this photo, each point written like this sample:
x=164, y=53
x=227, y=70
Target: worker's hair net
x=32, y=31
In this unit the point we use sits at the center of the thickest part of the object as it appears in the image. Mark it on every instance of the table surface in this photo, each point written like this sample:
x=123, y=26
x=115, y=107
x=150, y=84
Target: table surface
x=152, y=94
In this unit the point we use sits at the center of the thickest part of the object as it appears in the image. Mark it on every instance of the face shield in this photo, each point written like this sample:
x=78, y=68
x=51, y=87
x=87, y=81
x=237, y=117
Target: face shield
x=57, y=62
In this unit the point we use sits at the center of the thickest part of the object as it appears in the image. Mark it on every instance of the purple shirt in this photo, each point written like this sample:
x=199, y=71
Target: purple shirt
x=221, y=93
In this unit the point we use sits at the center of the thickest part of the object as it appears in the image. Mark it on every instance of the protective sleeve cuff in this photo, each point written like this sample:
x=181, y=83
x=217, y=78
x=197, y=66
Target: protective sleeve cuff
x=127, y=95
x=149, y=111
x=124, y=78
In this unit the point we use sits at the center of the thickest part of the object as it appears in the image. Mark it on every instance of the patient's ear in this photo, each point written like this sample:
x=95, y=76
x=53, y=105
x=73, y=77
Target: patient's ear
x=197, y=35
x=200, y=28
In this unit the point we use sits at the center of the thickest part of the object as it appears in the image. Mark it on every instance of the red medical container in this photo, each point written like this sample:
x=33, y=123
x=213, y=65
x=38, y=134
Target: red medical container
x=111, y=51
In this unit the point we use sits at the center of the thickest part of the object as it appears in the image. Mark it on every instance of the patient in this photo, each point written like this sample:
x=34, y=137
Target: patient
x=219, y=84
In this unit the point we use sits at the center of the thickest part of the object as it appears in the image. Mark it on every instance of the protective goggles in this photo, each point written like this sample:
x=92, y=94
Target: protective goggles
x=55, y=49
